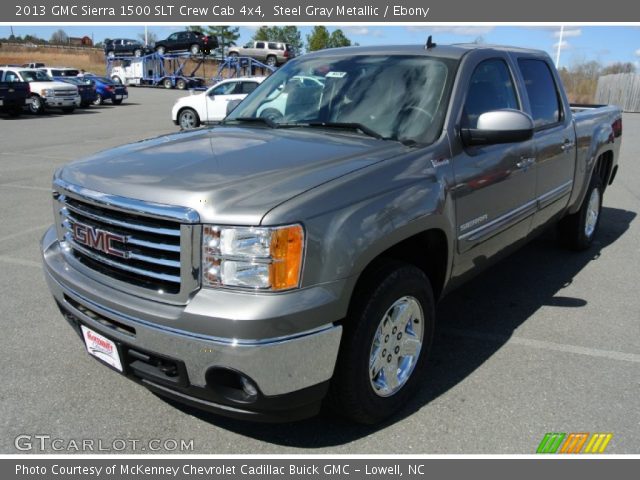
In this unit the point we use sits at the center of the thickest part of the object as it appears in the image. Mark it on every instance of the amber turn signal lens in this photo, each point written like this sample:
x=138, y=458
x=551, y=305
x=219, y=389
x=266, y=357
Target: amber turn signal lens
x=287, y=245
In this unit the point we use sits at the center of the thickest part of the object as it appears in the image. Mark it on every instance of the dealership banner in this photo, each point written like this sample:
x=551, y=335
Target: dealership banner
x=314, y=11
x=326, y=468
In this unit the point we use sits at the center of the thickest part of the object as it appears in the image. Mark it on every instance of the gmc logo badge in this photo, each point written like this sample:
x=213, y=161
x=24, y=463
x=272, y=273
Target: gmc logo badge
x=98, y=239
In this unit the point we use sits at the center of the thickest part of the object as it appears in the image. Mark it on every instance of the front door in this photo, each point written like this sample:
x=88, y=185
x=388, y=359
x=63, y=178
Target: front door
x=494, y=184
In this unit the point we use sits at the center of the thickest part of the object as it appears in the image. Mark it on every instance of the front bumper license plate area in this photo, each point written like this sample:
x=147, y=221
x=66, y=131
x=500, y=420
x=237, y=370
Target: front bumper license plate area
x=102, y=348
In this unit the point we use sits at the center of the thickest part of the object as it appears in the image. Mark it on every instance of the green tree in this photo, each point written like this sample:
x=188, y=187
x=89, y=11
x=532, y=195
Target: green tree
x=338, y=39
x=287, y=34
x=318, y=39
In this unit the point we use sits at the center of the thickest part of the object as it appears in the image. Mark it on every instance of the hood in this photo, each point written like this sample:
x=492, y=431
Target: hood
x=227, y=174
x=59, y=85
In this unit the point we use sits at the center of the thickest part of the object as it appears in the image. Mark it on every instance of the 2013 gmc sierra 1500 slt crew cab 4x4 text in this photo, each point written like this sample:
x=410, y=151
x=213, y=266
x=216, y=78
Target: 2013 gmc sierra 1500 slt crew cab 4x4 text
x=285, y=258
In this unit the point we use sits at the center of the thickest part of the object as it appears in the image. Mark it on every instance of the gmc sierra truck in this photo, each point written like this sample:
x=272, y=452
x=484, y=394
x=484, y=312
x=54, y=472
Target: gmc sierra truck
x=282, y=261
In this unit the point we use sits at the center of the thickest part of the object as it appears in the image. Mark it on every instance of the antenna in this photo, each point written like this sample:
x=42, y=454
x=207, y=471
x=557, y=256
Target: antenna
x=430, y=43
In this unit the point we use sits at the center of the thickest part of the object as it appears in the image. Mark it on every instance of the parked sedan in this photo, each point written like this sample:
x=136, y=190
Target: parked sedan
x=211, y=105
x=107, y=89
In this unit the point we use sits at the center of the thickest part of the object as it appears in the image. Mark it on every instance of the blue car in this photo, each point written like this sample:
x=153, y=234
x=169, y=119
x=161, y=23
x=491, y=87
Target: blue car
x=86, y=89
x=107, y=89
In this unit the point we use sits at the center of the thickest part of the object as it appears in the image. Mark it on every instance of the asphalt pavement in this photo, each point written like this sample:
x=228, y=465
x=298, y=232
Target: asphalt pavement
x=545, y=341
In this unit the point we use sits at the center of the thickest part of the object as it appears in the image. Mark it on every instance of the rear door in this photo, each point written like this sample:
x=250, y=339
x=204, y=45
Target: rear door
x=172, y=41
x=554, y=137
x=495, y=187
x=258, y=52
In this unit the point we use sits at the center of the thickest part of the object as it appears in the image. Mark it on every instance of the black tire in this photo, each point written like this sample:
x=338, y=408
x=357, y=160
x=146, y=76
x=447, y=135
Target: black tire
x=233, y=55
x=352, y=392
x=137, y=53
x=577, y=231
x=68, y=110
x=116, y=79
x=272, y=61
x=161, y=50
x=98, y=100
x=181, y=84
x=37, y=105
x=194, y=49
x=188, y=119
x=167, y=83
x=116, y=102
x=111, y=54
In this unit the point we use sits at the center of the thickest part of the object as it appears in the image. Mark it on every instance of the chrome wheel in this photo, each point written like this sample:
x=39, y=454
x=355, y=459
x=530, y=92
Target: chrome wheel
x=593, y=211
x=396, y=346
x=188, y=119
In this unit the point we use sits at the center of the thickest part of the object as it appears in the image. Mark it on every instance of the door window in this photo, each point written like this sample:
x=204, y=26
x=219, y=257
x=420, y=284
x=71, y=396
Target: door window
x=11, y=77
x=224, y=89
x=541, y=89
x=259, y=44
x=247, y=87
x=491, y=88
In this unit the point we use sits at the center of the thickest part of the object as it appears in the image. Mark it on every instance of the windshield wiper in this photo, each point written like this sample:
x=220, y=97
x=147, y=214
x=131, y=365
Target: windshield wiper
x=348, y=126
x=267, y=121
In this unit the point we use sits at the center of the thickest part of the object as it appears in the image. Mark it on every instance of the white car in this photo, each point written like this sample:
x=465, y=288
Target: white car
x=211, y=105
x=46, y=92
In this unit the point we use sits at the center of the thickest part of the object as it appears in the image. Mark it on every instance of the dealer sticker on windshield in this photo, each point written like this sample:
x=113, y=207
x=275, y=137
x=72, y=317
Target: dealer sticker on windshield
x=336, y=74
x=102, y=348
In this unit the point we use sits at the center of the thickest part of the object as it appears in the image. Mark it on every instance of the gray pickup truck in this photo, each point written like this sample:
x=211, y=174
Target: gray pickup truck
x=293, y=255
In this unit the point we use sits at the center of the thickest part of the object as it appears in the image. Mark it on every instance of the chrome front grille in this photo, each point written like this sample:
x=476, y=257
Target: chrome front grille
x=67, y=93
x=143, y=252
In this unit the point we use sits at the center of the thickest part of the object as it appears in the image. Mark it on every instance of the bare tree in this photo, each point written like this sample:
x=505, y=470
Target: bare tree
x=59, y=37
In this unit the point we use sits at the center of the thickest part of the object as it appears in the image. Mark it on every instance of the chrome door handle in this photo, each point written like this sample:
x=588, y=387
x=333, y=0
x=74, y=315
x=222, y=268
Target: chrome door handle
x=525, y=162
x=567, y=145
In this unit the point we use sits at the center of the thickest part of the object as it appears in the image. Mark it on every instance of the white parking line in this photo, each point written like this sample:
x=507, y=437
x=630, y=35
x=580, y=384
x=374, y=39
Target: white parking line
x=544, y=345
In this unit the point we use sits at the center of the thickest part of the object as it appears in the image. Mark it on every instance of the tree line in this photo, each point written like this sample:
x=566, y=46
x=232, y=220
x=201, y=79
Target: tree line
x=580, y=80
x=319, y=38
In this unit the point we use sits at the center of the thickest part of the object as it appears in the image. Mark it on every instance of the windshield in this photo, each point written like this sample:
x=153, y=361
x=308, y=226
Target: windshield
x=35, y=76
x=395, y=97
x=65, y=73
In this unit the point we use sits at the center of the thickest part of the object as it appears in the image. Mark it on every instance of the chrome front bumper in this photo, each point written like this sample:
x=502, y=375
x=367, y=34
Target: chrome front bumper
x=278, y=364
x=62, y=101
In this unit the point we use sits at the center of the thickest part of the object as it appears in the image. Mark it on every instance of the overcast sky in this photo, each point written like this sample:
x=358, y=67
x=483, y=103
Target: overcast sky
x=606, y=44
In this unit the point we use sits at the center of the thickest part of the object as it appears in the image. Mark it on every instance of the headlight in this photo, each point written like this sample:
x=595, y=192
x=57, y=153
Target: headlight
x=47, y=92
x=261, y=258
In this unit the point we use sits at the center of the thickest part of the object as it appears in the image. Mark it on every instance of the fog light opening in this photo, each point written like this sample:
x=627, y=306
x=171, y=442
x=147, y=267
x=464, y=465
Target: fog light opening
x=232, y=385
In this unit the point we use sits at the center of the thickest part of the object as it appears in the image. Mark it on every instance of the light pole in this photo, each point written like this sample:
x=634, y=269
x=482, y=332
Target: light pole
x=559, y=46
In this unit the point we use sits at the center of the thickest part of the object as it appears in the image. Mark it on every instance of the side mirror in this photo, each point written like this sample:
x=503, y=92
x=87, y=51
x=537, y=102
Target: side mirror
x=232, y=104
x=499, y=126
